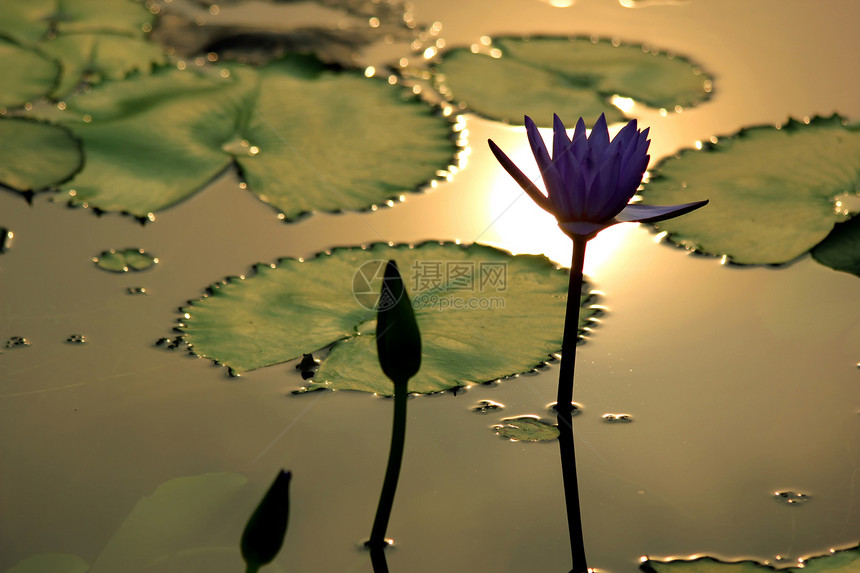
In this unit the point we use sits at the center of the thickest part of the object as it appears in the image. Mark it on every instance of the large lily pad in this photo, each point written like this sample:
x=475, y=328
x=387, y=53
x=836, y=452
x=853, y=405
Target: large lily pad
x=483, y=314
x=36, y=155
x=168, y=531
x=51, y=563
x=570, y=77
x=772, y=190
x=26, y=75
x=32, y=21
x=99, y=57
x=846, y=561
x=170, y=520
x=85, y=39
x=304, y=138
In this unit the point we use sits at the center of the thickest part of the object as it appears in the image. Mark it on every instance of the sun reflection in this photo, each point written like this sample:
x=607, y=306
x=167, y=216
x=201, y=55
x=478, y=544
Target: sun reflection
x=520, y=226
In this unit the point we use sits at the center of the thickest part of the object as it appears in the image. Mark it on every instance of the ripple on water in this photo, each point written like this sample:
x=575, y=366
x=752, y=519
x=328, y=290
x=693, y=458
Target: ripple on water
x=487, y=406
x=575, y=408
x=617, y=418
x=76, y=339
x=790, y=497
x=17, y=342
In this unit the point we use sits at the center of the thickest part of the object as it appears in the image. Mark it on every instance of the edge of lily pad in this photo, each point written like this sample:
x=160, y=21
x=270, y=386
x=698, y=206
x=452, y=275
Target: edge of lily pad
x=647, y=567
x=28, y=194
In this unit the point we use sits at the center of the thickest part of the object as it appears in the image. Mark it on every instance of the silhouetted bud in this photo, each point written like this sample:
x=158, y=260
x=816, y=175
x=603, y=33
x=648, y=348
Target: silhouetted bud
x=264, y=534
x=398, y=341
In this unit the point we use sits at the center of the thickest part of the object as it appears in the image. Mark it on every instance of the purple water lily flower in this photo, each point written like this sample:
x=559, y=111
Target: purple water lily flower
x=590, y=180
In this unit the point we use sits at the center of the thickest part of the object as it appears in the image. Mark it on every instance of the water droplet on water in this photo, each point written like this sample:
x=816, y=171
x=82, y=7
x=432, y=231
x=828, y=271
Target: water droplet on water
x=487, y=406
x=617, y=418
x=76, y=339
x=6, y=237
x=790, y=497
x=17, y=342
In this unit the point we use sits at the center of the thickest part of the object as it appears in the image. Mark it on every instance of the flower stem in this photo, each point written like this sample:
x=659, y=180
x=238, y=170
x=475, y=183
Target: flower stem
x=392, y=472
x=564, y=406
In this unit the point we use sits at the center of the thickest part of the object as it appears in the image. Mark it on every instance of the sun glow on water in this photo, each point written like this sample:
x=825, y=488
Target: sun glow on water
x=520, y=226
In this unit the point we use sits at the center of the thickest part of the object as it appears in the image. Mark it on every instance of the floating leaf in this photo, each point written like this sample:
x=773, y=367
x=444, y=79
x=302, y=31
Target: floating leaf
x=88, y=38
x=26, y=75
x=30, y=22
x=176, y=516
x=772, y=190
x=36, y=155
x=290, y=27
x=500, y=315
x=51, y=563
x=571, y=77
x=304, y=138
x=125, y=260
x=97, y=57
x=840, y=250
x=526, y=429
x=846, y=561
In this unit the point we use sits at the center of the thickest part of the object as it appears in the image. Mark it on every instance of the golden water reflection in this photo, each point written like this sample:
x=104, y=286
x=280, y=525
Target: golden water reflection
x=520, y=226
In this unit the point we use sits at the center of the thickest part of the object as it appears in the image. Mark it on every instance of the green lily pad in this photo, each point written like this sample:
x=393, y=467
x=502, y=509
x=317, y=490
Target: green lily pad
x=99, y=57
x=30, y=22
x=26, y=75
x=846, y=561
x=170, y=520
x=571, y=77
x=840, y=250
x=168, y=531
x=85, y=39
x=772, y=190
x=36, y=155
x=125, y=260
x=303, y=137
x=526, y=429
x=51, y=563
x=501, y=315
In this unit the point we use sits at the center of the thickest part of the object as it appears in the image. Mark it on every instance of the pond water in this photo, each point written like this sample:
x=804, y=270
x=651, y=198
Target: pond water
x=741, y=381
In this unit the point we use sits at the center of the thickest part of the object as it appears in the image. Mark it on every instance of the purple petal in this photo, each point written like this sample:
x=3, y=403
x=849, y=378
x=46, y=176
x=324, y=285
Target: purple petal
x=560, y=142
x=598, y=141
x=637, y=213
x=551, y=178
x=579, y=144
x=605, y=198
x=520, y=177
